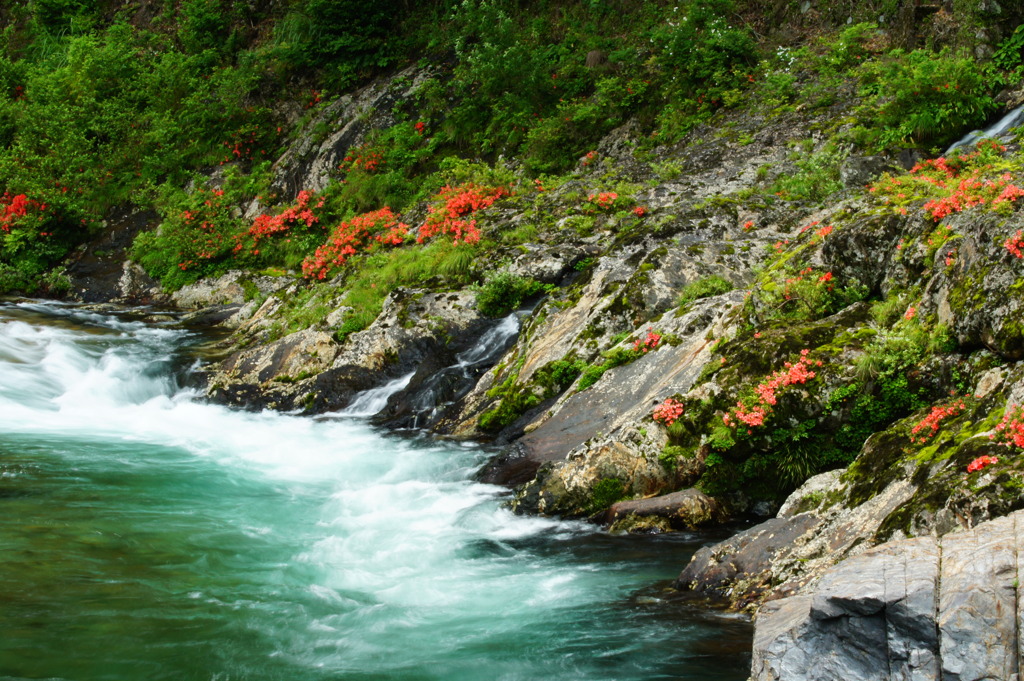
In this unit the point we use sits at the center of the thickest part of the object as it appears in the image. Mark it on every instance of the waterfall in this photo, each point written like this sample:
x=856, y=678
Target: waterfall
x=1010, y=120
x=444, y=387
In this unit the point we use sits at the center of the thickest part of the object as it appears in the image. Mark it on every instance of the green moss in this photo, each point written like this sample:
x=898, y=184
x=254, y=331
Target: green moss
x=706, y=287
x=606, y=492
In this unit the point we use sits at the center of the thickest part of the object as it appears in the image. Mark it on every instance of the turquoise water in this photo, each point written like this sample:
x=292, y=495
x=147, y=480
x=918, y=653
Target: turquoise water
x=145, y=534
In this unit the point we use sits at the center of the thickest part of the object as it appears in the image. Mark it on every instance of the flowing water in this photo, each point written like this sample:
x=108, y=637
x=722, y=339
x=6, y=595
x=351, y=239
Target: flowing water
x=1011, y=120
x=146, y=534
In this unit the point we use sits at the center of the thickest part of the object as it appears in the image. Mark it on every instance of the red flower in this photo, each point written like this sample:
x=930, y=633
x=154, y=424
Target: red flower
x=981, y=462
x=668, y=411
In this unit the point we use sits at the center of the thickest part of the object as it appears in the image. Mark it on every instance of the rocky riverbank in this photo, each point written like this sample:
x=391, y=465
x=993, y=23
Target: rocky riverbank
x=694, y=349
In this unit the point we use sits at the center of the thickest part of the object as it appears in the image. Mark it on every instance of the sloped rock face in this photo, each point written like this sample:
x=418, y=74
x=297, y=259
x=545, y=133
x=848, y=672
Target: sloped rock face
x=917, y=609
x=624, y=394
x=96, y=270
x=310, y=163
x=311, y=370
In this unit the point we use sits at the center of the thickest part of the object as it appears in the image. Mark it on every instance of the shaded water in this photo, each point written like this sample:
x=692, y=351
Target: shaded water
x=145, y=534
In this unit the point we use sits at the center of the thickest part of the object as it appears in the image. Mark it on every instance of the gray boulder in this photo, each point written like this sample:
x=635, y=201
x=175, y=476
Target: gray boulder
x=915, y=610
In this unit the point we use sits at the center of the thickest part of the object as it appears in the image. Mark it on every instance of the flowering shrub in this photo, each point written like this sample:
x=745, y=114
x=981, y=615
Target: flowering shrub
x=766, y=392
x=922, y=96
x=640, y=211
x=604, y=201
x=797, y=285
x=359, y=234
x=648, y=342
x=1015, y=244
x=953, y=184
x=13, y=208
x=668, y=411
x=450, y=208
x=299, y=213
x=248, y=142
x=199, y=234
x=1010, y=431
x=981, y=462
x=363, y=158
x=803, y=294
x=927, y=427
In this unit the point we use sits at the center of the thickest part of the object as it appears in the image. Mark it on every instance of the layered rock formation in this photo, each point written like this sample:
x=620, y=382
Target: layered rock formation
x=917, y=609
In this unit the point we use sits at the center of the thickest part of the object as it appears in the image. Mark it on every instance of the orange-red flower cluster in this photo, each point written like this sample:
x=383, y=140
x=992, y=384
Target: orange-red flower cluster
x=793, y=373
x=956, y=183
x=648, y=342
x=363, y=158
x=1015, y=244
x=974, y=192
x=361, y=233
x=1010, y=430
x=929, y=425
x=668, y=411
x=452, y=205
x=266, y=225
x=981, y=462
x=604, y=200
x=14, y=207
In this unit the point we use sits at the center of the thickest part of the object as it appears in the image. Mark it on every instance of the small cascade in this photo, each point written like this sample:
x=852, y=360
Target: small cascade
x=370, y=402
x=436, y=388
x=1010, y=120
x=448, y=385
x=490, y=343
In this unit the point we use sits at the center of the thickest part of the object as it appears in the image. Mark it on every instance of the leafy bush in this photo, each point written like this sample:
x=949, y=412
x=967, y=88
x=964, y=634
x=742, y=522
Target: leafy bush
x=800, y=295
x=347, y=37
x=503, y=292
x=816, y=178
x=922, y=97
x=704, y=57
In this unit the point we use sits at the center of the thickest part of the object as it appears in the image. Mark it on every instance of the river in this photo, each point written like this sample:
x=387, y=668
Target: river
x=147, y=534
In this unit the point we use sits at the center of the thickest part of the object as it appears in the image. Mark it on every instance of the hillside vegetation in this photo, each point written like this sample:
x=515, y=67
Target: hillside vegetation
x=112, y=105
x=667, y=156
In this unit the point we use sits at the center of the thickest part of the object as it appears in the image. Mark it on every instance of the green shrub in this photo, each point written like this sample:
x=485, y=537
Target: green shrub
x=503, y=292
x=1010, y=55
x=922, y=97
x=816, y=177
x=556, y=376
x=705, y=60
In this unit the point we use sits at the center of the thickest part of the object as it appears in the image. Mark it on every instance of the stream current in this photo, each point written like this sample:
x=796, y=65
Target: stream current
x=147, y=534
